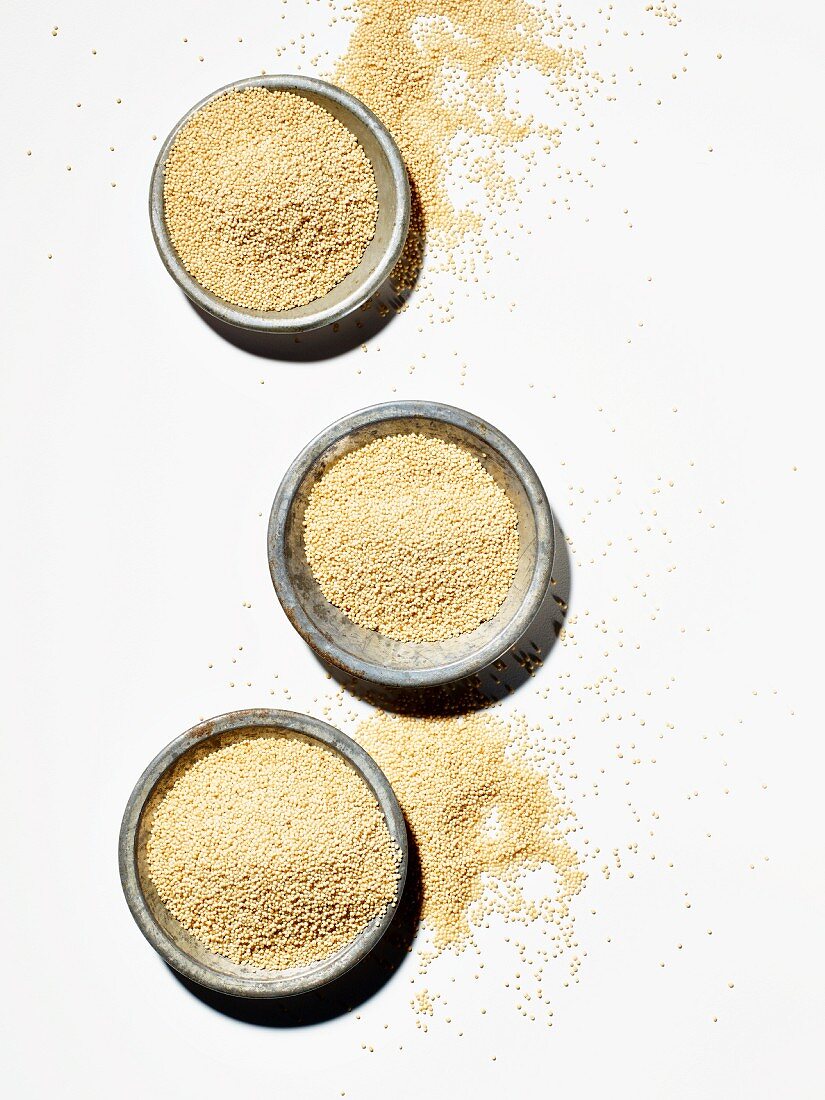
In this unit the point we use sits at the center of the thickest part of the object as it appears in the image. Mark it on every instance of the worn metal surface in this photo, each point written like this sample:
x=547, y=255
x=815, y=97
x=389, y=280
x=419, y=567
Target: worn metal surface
x=381, y=253
x=177, y=946
x=366, y=654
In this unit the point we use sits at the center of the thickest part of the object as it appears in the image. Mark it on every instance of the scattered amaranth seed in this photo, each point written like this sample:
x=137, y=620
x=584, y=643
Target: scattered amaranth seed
x=481, y=813
x=434, y=71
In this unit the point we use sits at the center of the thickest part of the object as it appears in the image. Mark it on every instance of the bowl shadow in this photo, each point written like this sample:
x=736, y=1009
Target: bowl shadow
x=329, y=342
x=345, y=993
x=503, y=677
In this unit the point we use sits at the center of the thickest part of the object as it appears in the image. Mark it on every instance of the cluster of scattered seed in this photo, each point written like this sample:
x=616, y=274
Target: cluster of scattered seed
x=482, y=813
x=412, y=537
x=272, y=851
x=666, y=11
x=270, y=201
x=437, y=73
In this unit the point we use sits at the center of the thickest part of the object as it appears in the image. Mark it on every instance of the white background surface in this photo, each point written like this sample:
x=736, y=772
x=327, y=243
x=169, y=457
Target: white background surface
x=140, y=456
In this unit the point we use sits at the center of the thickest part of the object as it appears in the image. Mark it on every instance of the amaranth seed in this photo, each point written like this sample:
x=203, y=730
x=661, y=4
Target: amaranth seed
x=412, y=537
x=270, y=201
x=272, y=851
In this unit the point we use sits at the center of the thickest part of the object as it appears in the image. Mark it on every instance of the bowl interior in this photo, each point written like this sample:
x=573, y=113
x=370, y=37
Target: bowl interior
x=390, y=204
x=367, y=645
x=280, y=982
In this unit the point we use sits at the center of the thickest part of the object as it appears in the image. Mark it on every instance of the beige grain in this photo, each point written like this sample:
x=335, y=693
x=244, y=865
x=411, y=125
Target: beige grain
x=272, y=851
x=412, y=537
x=270, y=201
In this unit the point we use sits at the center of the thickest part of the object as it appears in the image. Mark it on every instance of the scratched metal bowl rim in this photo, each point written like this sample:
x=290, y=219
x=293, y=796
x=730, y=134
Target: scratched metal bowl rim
x=171, y=941
x=287, y=584
x=363, y=281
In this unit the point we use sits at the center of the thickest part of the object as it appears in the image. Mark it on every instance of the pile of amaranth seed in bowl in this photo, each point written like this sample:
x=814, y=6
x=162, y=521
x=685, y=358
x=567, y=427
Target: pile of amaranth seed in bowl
x=412, y=537
x=271, y=851
x=269, y=201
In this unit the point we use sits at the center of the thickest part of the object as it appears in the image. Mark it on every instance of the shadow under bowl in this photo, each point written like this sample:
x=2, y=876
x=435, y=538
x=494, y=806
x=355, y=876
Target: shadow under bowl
x=169, y=938
x=366, y=654
x=381, y=253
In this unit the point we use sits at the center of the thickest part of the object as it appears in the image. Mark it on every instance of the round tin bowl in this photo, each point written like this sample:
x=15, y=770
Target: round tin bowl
x=381, y=253
x=171, y=941
x=367, y=654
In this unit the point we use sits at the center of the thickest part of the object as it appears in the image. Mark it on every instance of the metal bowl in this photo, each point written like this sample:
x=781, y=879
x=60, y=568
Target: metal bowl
x=364, y=653
x=381, y=253
x=168, y=937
